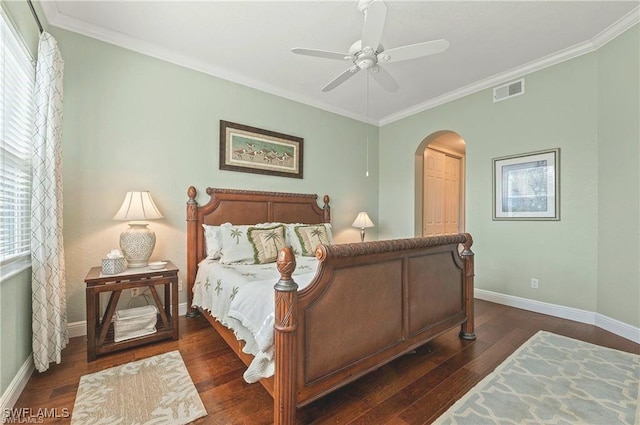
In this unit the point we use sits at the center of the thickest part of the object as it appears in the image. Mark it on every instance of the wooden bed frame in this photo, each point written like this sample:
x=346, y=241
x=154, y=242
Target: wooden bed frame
x=368, y=304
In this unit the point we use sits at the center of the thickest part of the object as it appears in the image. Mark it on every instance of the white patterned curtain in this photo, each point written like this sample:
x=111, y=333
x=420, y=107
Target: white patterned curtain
x=49, y=303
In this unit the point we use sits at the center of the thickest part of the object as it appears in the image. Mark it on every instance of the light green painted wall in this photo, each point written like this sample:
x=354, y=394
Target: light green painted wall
x=619, y=182
x=132, y=122
x=557, y=110
x=561, y=108
x=15, y=326
x=15, y=292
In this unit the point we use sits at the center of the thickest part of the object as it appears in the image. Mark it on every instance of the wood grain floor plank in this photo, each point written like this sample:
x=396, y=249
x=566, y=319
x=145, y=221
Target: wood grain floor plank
x=413, y=389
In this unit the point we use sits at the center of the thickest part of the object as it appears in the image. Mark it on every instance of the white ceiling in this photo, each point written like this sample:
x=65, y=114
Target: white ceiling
x=249, y=42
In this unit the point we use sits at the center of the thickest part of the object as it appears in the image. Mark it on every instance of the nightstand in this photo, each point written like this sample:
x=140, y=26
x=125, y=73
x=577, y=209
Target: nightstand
x=100, y=334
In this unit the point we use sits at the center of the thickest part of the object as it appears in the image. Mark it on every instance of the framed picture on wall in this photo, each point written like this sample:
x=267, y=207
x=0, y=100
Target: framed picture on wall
x=254, y=150
x=527, y=186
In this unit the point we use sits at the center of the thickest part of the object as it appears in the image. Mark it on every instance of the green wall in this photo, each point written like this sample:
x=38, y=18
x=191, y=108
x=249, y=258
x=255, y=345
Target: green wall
x=15, y=326
x=619, y=178
x=15, y=292
x=575, y=259
x=132, y=122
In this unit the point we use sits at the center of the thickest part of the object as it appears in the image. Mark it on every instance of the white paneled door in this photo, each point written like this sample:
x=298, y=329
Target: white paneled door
x=442, y=194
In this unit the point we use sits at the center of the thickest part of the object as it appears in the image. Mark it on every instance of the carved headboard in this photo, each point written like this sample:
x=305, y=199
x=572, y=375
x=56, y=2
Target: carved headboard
x=244, y=207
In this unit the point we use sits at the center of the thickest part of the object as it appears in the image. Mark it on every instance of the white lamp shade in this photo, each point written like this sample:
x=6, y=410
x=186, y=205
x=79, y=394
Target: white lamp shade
x=362, y=221
x=137, y=242
x=138, y=206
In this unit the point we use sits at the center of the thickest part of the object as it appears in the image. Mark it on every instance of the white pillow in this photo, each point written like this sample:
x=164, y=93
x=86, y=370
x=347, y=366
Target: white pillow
x=236, y=246
x=212, y=241
x=293, y=239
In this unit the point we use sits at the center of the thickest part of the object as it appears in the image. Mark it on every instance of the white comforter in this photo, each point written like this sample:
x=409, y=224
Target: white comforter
x=241, y=297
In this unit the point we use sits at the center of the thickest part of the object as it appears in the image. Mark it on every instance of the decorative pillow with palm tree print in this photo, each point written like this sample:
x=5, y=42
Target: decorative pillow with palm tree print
x=294, y=241
x=266, y=243
x=236, y=247
x=310, y=237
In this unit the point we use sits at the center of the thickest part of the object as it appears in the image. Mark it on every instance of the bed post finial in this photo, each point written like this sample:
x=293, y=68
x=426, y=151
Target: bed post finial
x=286, y=264
x=326, y=209
x=286, y=324
x=192, y=246
x=467, y=329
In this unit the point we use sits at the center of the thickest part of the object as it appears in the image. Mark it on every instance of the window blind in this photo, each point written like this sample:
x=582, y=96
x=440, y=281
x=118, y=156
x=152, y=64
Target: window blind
x=17, y=80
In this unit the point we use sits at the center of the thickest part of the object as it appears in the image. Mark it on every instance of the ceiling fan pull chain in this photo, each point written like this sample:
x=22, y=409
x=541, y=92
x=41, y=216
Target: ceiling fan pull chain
x=367, y=124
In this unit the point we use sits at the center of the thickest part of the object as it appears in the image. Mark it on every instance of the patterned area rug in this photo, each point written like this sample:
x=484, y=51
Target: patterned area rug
x=157, y=390
x=552, y=379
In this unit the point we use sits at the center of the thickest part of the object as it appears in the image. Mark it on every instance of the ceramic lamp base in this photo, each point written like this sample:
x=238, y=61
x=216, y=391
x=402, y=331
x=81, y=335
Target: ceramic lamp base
x=137, y=243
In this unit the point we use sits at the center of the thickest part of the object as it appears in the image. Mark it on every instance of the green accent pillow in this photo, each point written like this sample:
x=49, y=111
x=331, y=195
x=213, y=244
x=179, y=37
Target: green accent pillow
x=266, y=243
x=310, y=237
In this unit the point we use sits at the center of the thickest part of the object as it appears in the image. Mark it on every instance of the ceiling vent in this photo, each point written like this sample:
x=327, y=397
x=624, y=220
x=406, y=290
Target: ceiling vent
x=506, y=91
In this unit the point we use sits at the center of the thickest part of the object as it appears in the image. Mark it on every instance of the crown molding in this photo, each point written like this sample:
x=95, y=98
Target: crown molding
x=614, y=30
x=617, y=28
x=54, y=17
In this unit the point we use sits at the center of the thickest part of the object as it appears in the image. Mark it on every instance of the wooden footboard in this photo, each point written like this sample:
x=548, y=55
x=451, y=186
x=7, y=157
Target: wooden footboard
x=368, y=304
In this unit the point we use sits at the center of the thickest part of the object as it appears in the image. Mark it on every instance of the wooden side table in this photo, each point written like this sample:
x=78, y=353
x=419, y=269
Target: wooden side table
x=100, y=334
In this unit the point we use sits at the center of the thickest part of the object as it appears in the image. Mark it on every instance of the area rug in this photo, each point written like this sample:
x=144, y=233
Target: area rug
x=552, y=379
x=156, y=390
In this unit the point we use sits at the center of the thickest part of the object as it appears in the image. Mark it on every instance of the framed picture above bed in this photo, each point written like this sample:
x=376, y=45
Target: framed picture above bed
x=254, y=150
x=527, y=186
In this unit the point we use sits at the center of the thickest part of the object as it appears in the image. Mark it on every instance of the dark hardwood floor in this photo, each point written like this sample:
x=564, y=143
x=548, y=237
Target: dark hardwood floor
x=414, y=389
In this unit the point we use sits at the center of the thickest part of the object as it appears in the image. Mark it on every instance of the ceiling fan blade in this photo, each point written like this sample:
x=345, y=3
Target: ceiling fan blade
x=341, y=78
x=413, y=51
x=374, y=18
x=321, y=53
x=384, y=79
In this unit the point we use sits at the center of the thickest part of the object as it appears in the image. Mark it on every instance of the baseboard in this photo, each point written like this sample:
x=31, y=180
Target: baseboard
x=80, y=328
x=182, y=309
x=617, y=327
x=77, y=329
x=13, y=391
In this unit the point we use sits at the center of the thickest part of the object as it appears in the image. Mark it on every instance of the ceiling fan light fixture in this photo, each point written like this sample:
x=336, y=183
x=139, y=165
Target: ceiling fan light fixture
x=367, y=52
x=365, y=62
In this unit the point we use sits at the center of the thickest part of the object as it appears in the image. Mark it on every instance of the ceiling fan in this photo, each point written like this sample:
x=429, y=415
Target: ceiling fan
x=368, y=53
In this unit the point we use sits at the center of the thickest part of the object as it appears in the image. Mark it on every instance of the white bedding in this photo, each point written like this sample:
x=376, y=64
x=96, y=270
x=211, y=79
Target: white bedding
x=241, y=297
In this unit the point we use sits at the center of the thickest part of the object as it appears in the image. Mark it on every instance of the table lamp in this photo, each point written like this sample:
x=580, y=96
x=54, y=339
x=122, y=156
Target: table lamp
x=362, y=221
x=137, y=242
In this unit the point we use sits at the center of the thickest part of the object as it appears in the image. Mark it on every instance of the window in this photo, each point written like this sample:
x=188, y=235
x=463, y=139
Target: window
x=17, y=80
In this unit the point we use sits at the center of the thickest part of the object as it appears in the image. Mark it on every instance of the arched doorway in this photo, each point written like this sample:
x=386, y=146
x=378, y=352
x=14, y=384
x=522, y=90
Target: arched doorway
x=440, y=184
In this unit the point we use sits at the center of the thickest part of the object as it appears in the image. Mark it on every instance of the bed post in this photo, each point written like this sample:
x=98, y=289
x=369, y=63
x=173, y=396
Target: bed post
x=467, y=329
x=286, y=323
x=326, y=210
x=192, y=248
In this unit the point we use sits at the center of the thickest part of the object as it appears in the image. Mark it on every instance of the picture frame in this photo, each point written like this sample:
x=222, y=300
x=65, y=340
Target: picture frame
x=527, y=186
x=254, y=150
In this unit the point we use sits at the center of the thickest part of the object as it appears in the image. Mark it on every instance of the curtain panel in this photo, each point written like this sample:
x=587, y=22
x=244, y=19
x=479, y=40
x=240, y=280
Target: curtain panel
x=49, y=304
